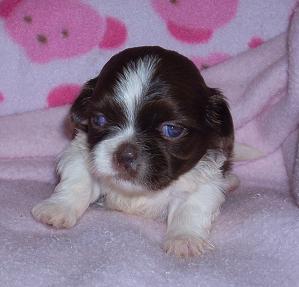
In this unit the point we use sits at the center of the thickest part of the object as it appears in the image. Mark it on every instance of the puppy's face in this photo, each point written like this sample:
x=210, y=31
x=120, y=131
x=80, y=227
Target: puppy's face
x=149, y=118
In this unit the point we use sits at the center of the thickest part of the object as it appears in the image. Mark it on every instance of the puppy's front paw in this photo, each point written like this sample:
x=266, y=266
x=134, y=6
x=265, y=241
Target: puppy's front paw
x=186, y=246
x=55, y=214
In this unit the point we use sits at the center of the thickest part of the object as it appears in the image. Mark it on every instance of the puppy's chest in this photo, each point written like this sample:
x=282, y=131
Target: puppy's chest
x=148, y=204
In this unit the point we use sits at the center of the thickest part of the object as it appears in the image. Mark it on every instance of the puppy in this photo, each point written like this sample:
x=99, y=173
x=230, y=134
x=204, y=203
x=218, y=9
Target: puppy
x=152, y=139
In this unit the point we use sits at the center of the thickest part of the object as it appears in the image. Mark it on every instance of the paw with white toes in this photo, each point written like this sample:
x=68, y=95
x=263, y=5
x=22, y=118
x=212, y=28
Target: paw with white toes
x=186, y=246
x=55, y=214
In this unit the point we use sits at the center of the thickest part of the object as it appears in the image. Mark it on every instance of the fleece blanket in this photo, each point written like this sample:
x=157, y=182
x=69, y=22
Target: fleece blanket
x=41, y=73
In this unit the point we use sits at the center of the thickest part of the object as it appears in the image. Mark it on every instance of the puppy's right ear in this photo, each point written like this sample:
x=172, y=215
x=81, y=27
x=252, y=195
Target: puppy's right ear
x=79, y=109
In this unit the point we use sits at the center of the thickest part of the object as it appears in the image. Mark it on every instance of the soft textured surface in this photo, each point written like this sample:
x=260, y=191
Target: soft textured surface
x=256, y=238
x=257, y=233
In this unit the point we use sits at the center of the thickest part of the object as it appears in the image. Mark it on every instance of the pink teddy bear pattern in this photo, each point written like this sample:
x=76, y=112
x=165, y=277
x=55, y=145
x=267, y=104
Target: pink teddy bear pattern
x=194, y=21
x=63, y=94
x=255, y=42
x=49, y=30
x=1, y=97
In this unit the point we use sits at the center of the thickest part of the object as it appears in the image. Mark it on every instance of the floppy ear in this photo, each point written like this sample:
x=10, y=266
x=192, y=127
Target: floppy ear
x=218, y=116
x=79, y=109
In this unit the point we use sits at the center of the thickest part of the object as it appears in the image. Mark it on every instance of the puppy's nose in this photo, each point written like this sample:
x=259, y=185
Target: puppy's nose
x=126, y=157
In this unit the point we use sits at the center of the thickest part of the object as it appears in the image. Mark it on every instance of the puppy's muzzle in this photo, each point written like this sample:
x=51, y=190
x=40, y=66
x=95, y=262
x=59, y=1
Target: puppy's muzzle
x=126, y=160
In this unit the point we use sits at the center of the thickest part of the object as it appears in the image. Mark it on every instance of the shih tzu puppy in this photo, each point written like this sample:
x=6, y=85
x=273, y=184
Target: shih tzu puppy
x=152, y=139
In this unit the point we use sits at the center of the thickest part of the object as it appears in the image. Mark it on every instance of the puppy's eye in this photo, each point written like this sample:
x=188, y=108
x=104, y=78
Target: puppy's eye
x=99, y=120
x=172, y=131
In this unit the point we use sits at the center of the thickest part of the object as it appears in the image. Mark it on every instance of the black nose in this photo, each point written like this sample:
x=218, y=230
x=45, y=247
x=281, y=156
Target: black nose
x=126, y=157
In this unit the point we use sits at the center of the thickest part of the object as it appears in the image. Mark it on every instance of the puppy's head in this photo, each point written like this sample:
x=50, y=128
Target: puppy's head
x=149, y=118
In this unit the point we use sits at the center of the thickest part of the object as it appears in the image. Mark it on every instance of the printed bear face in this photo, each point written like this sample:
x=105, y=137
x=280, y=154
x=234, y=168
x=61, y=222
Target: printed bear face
x=194, y=21
x=54, y=29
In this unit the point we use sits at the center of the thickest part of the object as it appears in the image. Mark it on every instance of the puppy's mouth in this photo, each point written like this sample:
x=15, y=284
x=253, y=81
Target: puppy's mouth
x=127, y=182
x=131, y=177
x=122, y=180
x=127, y=172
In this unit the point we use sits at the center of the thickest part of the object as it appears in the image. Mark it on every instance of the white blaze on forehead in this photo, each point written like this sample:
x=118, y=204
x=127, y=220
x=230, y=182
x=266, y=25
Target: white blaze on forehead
x=133, y=82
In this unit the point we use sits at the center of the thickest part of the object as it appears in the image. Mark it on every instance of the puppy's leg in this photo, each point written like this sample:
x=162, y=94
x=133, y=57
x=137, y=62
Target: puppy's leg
x=73, y=194
x=190, y=218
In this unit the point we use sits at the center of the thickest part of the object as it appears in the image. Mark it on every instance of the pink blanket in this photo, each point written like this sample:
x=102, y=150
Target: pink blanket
x=257, y=233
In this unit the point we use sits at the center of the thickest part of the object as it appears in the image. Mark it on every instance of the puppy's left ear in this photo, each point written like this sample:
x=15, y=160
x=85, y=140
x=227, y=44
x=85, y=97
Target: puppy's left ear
x=79, y=109
x=218, y=116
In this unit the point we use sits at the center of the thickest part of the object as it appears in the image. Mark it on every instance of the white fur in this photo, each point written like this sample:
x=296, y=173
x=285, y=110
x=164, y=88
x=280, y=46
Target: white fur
x=133, y=83
x=75, y=191
x=246, y=152
x=190, y=203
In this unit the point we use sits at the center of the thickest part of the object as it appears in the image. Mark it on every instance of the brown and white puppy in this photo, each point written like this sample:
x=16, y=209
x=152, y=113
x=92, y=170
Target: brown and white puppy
x=153, y=139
